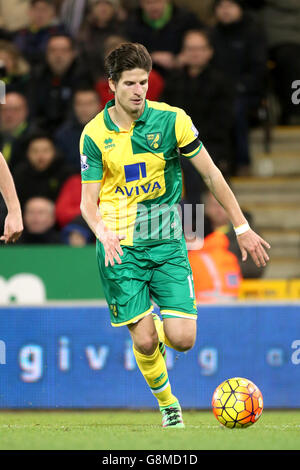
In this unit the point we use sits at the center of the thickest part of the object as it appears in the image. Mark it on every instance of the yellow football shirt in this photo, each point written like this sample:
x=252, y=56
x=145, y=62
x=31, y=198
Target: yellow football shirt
x=139, y=170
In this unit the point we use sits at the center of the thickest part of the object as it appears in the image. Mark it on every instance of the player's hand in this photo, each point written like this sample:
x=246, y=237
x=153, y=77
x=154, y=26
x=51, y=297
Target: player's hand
x=250, y=242
x=111, y=243
x=13, y=227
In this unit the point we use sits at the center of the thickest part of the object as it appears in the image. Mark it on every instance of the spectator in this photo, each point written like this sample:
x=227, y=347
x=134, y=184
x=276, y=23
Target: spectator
x=156, y=82
x=77, y=233
x=39, y=222
x=240, y=52
x=68, y=201
x=220, y=223
x=15, y=128
x=44, y=171
x=160, y=25
x=86, y=104
x=32, y=41
x=207, y=97
x=102, y=21
x=14, y=70
x=54, y=82
x=282, y=20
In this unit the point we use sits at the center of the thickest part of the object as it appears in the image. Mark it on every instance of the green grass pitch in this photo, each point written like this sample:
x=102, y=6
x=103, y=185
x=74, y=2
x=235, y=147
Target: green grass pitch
x=133, y=430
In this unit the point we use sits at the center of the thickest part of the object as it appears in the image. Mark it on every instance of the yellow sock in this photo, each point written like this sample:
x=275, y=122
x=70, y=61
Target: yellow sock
x=155, y=373
x=159, y=325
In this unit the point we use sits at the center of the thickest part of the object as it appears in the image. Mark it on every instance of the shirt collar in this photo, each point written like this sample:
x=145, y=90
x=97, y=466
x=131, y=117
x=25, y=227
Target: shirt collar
x=144, y=115
x=109, y=122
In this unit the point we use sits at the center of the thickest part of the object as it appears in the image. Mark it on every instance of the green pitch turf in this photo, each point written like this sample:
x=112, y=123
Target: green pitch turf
x=132, y=430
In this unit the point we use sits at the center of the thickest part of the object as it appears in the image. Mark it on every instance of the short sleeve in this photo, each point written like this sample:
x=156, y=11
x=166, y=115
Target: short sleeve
x=187, y=135
x=91, y=160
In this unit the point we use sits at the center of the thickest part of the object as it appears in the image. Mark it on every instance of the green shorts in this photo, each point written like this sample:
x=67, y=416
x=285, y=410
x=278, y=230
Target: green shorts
x=159, y=272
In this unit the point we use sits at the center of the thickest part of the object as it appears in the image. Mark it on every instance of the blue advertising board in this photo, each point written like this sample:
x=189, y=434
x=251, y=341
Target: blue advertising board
x=64, y=357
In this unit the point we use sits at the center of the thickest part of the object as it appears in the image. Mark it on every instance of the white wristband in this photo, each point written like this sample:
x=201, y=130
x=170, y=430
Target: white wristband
x=241, y=229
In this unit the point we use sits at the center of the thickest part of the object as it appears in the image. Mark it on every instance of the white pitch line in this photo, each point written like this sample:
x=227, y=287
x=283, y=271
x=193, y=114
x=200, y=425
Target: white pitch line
x=282, y=427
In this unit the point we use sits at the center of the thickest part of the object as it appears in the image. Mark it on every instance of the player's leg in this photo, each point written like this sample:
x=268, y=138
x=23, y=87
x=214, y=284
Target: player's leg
x=173, y=290
x=153, y=367
x=150, y=361
x=171, y=287
x=129, y=303
x=180, y=333
x=144, y=335
x=176, y=333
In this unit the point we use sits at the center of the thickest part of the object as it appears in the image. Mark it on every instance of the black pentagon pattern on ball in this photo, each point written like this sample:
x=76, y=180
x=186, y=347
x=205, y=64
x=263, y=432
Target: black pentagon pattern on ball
x=237, y=403
x=231, y=411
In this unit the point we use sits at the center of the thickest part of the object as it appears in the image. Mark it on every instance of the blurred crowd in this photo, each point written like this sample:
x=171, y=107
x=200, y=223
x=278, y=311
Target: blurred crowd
x=218, y=67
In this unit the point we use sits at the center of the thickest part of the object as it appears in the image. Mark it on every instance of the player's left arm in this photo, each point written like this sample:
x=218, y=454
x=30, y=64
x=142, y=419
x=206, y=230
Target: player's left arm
x=249, y=241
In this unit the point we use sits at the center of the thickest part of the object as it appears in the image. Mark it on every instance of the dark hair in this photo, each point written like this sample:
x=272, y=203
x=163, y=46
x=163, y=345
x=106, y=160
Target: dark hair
x=205, y=32
x=216, y=3
x=127, y=56
x=85, y=89
x=39, y=134
x=62, y=35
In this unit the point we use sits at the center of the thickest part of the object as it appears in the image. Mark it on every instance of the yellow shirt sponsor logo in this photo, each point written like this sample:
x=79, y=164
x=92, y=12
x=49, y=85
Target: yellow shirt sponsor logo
x=139, y=181
x=136, y=182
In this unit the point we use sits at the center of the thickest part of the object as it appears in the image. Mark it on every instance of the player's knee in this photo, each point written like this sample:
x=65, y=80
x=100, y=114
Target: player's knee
x=148, y=344
x=184, y=343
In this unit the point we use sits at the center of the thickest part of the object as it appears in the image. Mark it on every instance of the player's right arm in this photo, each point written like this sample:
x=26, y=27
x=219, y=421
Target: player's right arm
x=91, y=214
x=91, y=175
x=13, y=225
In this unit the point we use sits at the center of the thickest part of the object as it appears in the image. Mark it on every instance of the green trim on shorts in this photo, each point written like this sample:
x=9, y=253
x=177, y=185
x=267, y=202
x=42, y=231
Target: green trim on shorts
x=177, y=314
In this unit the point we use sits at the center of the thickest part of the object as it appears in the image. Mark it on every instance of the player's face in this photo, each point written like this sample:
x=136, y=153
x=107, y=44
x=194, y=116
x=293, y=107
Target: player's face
x=130, y=91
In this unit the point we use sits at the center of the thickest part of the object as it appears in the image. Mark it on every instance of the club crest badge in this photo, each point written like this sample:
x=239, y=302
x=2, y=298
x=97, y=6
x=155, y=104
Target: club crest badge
x=154, y=140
